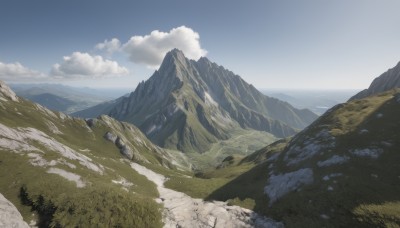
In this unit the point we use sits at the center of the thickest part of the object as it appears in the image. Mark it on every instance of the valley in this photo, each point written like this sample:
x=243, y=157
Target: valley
x=199, y=114
x=63, y=171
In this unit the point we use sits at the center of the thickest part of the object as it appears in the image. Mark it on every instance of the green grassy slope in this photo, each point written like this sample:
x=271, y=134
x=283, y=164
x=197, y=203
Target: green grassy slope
x=342, y=171
x=74, y=176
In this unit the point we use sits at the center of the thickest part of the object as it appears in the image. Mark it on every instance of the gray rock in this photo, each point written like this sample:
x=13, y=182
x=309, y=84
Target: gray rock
x=9, y=215
x=7, y=93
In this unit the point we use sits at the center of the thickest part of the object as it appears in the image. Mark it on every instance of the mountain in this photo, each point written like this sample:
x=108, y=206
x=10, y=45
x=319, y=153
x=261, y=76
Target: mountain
x=52, y=101
x=341, y=171
x=386, y=81
x=61, y=171
x=63, y=98
x=318, y=101
x=188, y=105
x=97, y=110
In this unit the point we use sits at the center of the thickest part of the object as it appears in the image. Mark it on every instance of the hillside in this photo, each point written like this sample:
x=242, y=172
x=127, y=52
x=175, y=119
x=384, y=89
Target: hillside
x=341, y=171
x=188, y=105
x=70, y=172
x=61, y=171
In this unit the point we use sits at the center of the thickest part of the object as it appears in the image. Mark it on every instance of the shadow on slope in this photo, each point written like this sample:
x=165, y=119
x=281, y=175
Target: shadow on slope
x=365, y=194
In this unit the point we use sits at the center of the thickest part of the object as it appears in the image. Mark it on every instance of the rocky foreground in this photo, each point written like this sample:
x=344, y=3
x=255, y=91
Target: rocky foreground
x=9, y=215
x=182, y=210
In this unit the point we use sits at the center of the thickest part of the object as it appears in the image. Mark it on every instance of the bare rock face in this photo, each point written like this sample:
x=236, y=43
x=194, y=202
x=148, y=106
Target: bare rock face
x=386, y=81
x=7, y=93
x=9, y=215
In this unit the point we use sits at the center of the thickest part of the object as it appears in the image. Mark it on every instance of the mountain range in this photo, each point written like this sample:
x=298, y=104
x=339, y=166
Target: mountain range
x=188, y=105
x=61, y=171
x=63, y=98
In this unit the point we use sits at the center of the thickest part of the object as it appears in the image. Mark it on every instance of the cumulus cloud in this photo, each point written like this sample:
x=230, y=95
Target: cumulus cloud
x=151, y=49
x=17, y=72
x=80, y=65
x=109, y=46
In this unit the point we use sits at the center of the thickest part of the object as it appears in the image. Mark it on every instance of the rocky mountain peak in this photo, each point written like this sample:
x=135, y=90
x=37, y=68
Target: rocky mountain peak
x=6, y=92
x=386, y=81
x=188, y=105
x=173, y=58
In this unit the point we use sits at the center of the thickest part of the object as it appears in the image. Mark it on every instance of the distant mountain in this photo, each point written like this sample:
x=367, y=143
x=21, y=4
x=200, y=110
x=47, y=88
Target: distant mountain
x=63, y=98
x=318, y=101
x=187, y=105
x=52, y=101
x=341, y=171
x=97, y=110
x=386, y=81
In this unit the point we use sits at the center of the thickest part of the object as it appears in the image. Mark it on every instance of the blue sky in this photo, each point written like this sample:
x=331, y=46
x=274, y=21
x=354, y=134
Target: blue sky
x=317, y=44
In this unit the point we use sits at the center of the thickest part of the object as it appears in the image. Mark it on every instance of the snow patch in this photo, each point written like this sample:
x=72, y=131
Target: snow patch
x=280, y=185
x=69, y=176
x=334, y=160
x=363, y=131
x=379, y=115
x=367, y=152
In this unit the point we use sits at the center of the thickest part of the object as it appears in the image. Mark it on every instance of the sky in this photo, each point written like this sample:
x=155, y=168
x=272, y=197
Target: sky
x=302, y=44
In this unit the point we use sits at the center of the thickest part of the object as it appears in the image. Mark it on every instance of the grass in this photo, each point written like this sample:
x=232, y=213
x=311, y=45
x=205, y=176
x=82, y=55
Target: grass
x=55, y=201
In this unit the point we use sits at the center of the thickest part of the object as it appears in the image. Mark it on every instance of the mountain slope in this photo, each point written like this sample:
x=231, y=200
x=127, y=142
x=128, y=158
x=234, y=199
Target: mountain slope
x=341, y=171
x=386, y=81
x=61, y=171
x=188, y=105
x=71, y=172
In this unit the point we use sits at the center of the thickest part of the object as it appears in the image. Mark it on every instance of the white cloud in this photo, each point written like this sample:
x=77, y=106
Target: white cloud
x=151, y=49
x=80, y=65
x=17, y=72
x=109, y=46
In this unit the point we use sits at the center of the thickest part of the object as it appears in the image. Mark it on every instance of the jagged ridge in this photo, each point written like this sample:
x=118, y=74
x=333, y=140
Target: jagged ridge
x=187, y=105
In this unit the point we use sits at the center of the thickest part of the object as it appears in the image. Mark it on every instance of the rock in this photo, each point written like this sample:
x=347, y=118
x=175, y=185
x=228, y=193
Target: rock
x=7, y=93
x=110, y=137
x=386, y=81
x=124, y=149
x=280, y=185
x=334, y=160
x=9, y=215
x=181, y=210
x=91, y=122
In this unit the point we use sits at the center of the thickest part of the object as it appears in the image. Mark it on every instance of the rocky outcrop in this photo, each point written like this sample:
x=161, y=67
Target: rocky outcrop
x=6, y=93
x=9, y=215
x=386, y=81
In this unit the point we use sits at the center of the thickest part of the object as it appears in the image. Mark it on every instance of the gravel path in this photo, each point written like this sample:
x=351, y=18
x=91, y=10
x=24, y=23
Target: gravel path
x=181, y=210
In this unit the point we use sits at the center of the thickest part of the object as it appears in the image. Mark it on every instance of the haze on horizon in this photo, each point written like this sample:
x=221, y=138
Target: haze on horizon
x=306, y=44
